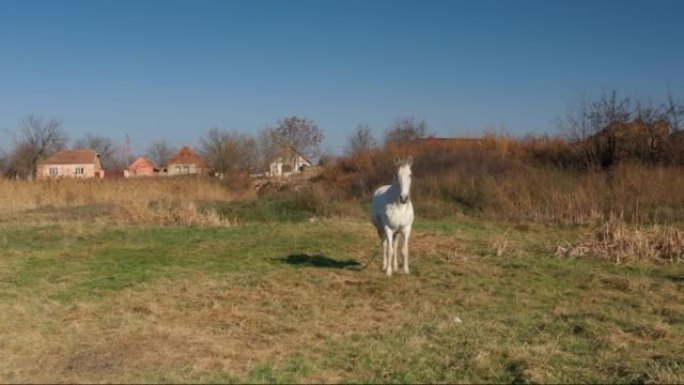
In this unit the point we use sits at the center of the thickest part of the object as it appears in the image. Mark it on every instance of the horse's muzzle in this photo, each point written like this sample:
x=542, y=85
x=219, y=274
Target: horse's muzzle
x=404, y=199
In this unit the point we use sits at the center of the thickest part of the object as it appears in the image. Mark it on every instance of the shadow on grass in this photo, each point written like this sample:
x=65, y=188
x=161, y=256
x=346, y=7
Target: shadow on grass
x=318, y=261
x=676, y=278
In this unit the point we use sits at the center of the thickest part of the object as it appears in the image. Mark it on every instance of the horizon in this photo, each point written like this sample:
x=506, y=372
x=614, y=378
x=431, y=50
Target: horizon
x=173, y=70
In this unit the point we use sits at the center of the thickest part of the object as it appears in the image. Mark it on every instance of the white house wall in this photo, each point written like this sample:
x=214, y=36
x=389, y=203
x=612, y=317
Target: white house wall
x=66, y=170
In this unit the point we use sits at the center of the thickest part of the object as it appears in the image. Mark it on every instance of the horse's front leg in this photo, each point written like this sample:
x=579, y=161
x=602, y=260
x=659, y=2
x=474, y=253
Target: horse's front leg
x=395, y=260
x=404, y=248
x=384, y=253
x=391, y=258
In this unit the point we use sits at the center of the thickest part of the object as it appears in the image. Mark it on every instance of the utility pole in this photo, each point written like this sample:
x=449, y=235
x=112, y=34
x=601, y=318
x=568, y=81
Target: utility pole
x=127, y=150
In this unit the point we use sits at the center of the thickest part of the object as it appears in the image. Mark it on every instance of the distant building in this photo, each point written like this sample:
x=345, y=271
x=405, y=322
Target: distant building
x=80, y=163
x=142, y=167
x=291, y=162
x=186, y=162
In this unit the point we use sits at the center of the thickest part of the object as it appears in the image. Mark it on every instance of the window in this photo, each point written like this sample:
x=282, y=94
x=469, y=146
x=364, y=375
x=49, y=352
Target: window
x=53, y=171
x=186, y=169
x=79, y=171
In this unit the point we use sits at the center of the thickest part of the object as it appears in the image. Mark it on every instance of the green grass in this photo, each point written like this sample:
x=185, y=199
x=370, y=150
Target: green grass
x=287, y=302
x=124, y=257
x=264, y=210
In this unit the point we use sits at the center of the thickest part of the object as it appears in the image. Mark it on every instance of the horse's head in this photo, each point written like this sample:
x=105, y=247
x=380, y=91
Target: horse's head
x=403, y=178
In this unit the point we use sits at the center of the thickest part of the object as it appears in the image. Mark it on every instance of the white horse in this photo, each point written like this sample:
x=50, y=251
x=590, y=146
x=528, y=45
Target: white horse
x=392, y=214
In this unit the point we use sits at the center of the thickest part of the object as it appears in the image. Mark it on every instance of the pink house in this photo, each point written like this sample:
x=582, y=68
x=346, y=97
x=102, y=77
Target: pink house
x=185, y=162
x=80, y=163
x=142, y=167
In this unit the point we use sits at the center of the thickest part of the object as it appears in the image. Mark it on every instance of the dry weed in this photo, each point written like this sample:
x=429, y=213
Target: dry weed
x=21, y=196
x=501, y=245
x=622, y=243
x=168, y=213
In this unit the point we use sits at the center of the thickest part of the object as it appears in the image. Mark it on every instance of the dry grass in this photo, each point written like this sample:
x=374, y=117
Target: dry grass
x=160, y=201
x=167, y=213
x=101, y=299
x=236, y=310
x=623, y=243
x=547, y=195
x=21, y=196
x=171, y=329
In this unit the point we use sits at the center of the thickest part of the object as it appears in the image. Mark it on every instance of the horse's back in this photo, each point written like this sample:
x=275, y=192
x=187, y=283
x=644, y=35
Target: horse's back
x=381, y=190
x=376, y=209
x=379, y=197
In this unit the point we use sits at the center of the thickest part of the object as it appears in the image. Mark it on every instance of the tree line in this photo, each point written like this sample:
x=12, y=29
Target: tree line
x=224, y=151
x=232, y=151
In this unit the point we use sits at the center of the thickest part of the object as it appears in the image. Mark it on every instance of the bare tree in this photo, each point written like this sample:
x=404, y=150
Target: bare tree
x=268, y=147
x=575, y=125
x=358, y=151
x=586, y=118
x=406, y=130
x=610, y=108
x=36, y=140
x=645, y=110
x=674, y=112
x=160, y=152
x=4, y=162
x=228, y=152
x=300, y=134
x=362, y=140
x=102, y=145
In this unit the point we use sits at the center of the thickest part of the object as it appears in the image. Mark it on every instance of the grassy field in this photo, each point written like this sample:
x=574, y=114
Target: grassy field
x=86, y=299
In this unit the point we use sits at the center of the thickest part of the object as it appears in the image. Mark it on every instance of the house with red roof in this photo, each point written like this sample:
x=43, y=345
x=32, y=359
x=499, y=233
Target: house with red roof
x=142, y=167
x=186, y=162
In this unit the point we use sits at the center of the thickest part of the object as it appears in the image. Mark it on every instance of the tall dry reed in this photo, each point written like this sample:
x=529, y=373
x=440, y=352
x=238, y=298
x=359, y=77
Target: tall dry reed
x=21, y=196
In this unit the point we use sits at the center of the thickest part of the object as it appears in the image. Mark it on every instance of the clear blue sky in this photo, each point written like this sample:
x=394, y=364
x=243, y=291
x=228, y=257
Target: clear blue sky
x=173, y=69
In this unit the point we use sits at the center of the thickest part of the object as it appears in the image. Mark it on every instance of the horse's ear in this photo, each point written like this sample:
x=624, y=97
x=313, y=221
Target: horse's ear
x=409, y=160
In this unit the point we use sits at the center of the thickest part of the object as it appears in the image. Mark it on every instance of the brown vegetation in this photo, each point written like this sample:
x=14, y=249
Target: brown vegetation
x=129, y=197
x=538, y=179
x=622, y=243
x=184, y=213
